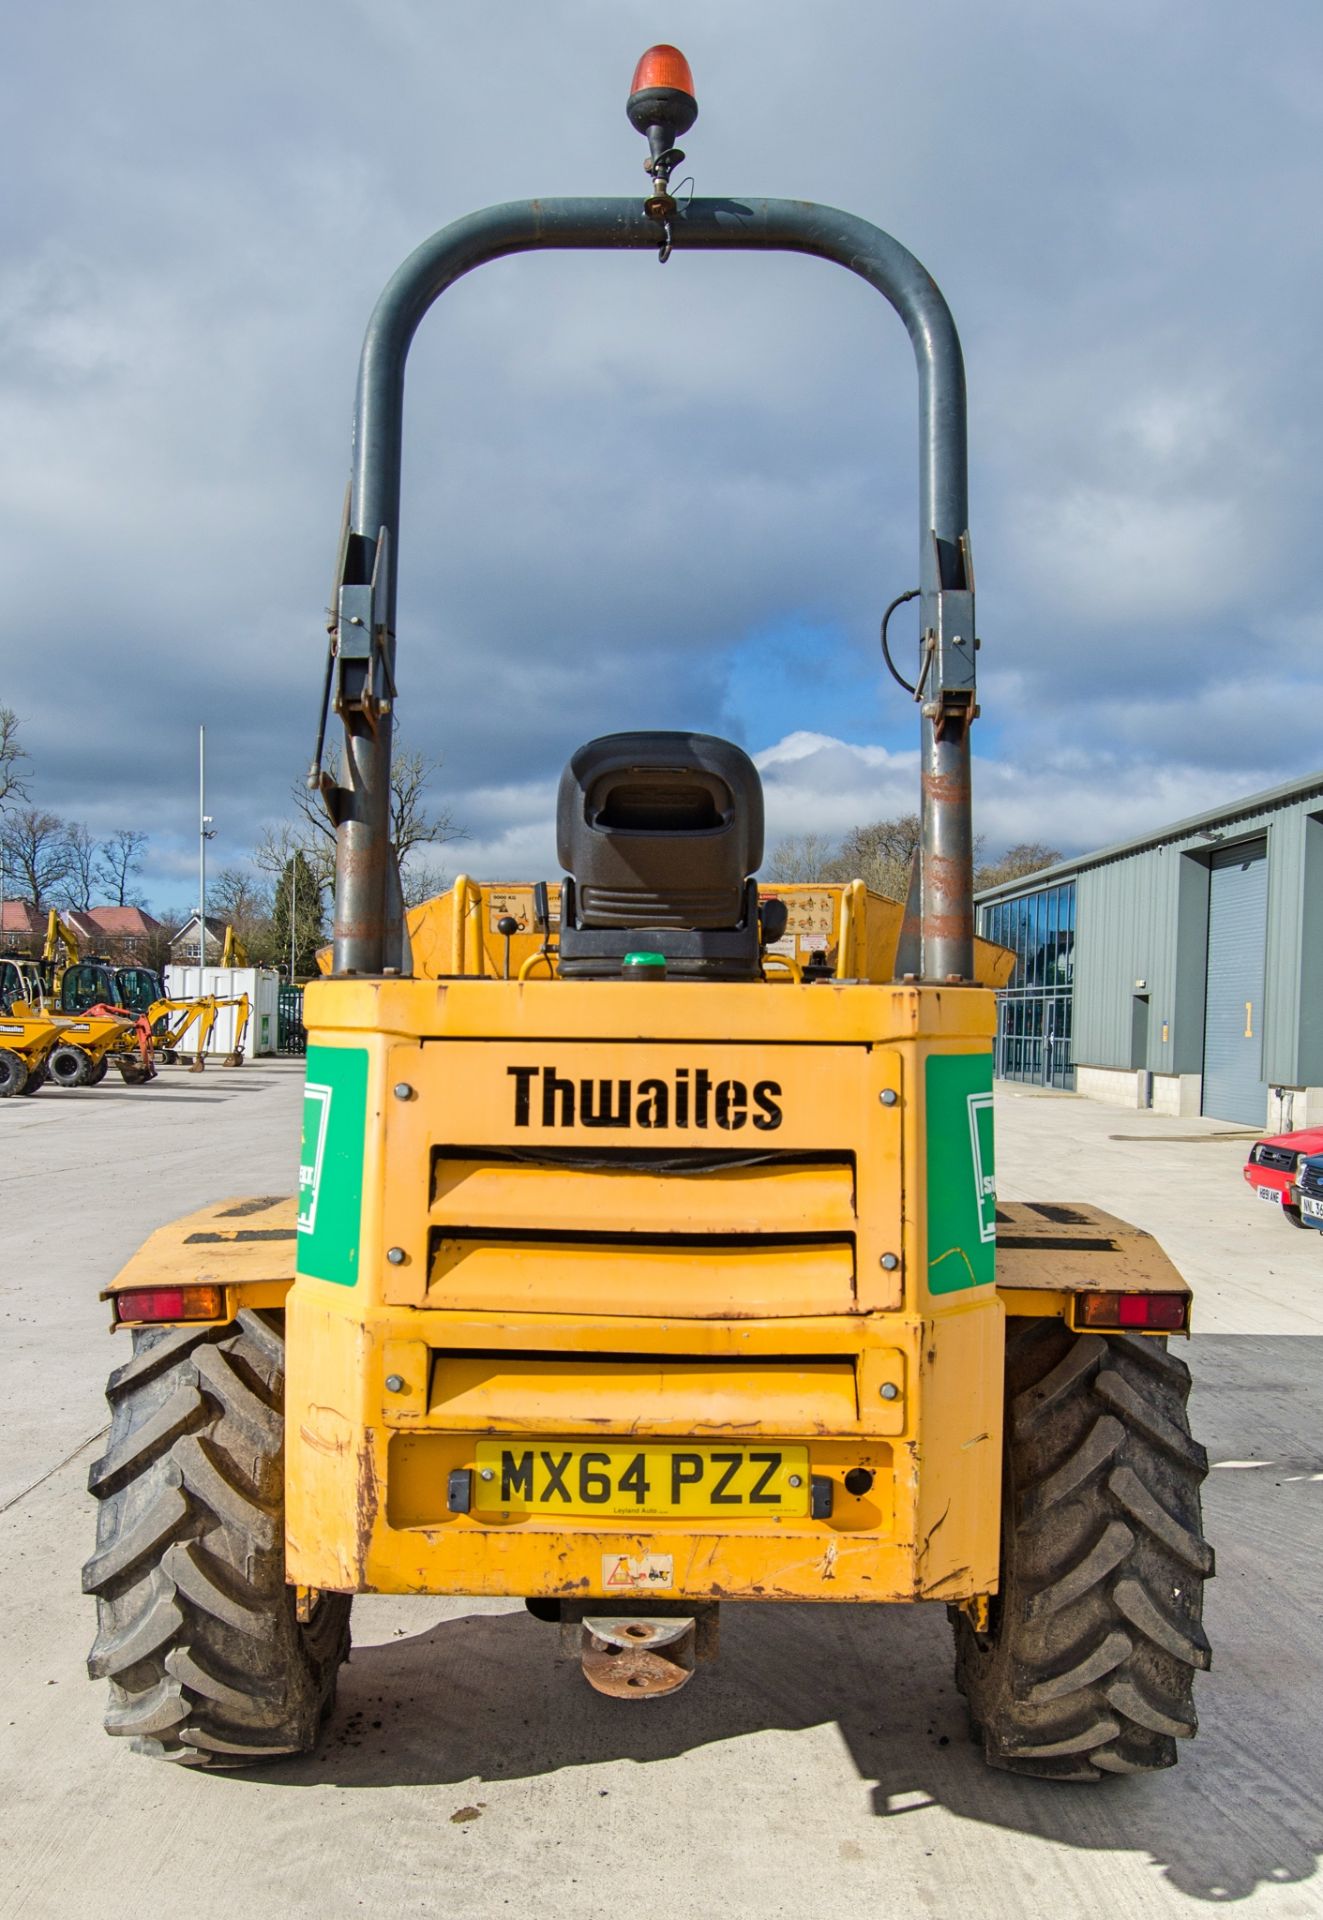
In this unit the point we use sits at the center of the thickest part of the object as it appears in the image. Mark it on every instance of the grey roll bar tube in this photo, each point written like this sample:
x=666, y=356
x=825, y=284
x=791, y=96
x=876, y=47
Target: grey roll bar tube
x=364, y=626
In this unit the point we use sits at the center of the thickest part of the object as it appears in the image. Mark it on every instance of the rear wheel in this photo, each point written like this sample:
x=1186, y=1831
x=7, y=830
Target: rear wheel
x=13, y=1073
x=99, y=1072
x=1088, y=1665
x=68, y=1065
x=35, y=1081
x=198, y=1634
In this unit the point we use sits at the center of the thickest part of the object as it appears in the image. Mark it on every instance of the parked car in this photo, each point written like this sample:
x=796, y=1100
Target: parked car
x=1309, y=1190
x=1272, y=1170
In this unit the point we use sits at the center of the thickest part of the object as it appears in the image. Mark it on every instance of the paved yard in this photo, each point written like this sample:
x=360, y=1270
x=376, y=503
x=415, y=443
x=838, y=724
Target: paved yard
x=821, y=1766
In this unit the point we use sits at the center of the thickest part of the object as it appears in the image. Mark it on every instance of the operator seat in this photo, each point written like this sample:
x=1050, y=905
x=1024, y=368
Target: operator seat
x=658, y=834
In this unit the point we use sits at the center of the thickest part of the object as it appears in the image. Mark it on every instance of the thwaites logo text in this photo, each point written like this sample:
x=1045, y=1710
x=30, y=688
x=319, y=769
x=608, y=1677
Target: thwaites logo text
x=689, y=1100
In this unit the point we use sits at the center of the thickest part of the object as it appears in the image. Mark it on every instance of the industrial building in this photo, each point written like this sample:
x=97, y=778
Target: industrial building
x=1182, y=970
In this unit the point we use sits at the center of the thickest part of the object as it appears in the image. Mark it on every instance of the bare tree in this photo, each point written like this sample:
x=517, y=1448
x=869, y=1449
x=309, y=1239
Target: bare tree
x=800, y=857
x=241, y=901
x=76, y=888
x=277, y=848
x=36, y=852
x=412, y=823
x=422, y=880
x=1029, y=856
x=879, y=854
x=13, y=784
x=119, y=861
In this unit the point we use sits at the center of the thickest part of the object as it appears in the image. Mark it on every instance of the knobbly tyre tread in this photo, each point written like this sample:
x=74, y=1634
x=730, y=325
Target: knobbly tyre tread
x=68, y=1065
x=1088, y=1666
x=13, y=1073
x=208, y=1665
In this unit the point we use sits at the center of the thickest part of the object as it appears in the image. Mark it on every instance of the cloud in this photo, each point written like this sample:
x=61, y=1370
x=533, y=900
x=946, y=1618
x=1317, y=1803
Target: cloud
x=1080, y=800
x=646, y=496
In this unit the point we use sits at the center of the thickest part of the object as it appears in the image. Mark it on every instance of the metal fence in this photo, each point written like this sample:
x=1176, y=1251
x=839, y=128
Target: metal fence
x=290, y=1034
x=1034, y=1037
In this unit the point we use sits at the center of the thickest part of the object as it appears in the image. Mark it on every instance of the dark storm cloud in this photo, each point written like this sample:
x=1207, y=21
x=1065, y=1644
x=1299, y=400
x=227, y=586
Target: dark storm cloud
x=622, y=479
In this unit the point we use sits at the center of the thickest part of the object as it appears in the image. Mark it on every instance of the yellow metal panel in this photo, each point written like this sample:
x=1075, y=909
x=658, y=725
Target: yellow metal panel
x=1067, y=1248
x=818, y=912
x=957, y=1462
x=492, y=1394
x=368, y=1466
x=777, y=1198
x=855, y=1555
x=776, y=1099
x=648, y=1278
x=235, y=1243
x=824, y=1013
x=369, y=1513
x=465, y=1095
x=465, y=1330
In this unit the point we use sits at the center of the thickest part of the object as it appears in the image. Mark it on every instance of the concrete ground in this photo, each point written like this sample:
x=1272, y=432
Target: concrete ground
x=820, y=1767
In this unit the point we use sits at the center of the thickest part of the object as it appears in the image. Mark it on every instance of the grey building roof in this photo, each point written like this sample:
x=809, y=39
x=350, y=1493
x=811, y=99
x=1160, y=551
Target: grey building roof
x=1306, y=787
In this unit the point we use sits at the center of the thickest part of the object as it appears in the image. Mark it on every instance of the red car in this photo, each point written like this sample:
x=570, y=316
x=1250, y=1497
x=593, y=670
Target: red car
x=1271, y=1168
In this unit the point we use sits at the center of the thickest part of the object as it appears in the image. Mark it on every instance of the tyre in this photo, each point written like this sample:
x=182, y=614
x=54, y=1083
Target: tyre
x=1087, y=1668
x=1293, y=1215
x=99, y=1072
x=35, y=1081
x=13, y=1073
x=68, y=1065
x=197, y=1631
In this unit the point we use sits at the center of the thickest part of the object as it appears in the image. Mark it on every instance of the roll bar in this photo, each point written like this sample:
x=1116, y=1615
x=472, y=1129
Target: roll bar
x=363, y=669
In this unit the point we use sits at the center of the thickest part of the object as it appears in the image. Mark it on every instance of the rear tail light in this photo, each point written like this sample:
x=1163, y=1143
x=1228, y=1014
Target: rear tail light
x=170, y=1303
x=1142, y=1312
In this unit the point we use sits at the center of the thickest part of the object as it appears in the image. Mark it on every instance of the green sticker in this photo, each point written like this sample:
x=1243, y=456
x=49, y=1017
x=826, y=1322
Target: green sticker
x=331, y=1163
x=962, y=1199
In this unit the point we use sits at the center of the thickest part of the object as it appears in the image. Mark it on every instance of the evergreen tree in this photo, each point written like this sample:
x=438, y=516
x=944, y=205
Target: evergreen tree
x=298, y=897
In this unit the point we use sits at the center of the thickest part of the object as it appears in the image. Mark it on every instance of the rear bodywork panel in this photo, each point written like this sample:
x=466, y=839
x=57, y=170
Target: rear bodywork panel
x=588, y=1289
x=646, y=1219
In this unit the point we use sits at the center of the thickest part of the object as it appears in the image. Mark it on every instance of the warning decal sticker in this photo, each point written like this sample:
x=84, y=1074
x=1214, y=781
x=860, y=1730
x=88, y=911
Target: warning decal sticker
x=637, y=1573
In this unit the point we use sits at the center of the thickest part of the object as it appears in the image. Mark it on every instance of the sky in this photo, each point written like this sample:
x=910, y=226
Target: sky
x=669, y=497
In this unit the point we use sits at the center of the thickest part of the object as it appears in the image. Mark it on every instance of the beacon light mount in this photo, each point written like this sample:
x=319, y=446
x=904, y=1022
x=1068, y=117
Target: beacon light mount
x=661, y=106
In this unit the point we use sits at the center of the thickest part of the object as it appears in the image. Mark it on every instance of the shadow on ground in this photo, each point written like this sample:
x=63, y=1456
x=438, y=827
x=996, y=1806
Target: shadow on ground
x=487, y=1697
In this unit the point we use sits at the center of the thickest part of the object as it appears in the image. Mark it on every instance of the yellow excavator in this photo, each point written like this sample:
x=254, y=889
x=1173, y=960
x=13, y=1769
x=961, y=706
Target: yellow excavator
x=173, y=1021
x=233, y=952
x=646, y=1257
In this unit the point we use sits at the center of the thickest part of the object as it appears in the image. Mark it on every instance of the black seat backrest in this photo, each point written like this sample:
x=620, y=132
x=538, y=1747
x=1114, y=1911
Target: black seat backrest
x=660, y=830
x=658, y=834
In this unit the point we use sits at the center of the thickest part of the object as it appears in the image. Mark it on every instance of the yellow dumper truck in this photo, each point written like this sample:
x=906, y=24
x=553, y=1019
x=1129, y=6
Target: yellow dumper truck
x=646, y=1256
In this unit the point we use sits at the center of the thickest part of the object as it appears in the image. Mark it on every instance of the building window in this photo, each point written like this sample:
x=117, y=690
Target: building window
x=1034, y=1010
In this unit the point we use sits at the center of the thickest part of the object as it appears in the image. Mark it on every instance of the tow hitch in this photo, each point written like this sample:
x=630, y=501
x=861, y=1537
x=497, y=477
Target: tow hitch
x=639, y=1656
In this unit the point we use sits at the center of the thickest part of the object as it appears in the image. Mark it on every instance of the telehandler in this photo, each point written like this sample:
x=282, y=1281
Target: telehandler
x=646, y=1256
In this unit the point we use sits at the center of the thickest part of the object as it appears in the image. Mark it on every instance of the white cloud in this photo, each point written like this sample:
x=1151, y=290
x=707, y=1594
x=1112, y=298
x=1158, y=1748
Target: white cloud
x=620, y=476
x=812, y=783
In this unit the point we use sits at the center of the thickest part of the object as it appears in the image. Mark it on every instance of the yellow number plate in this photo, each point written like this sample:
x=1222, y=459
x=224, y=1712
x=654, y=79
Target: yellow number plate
x=641, y=1483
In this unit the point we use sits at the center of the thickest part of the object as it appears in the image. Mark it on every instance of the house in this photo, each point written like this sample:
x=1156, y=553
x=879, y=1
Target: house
x=183, y=948
x=125, y=933
x=22, y=928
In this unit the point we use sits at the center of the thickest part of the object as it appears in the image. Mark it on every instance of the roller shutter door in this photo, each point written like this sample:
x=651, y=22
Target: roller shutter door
x=1234, y=1087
